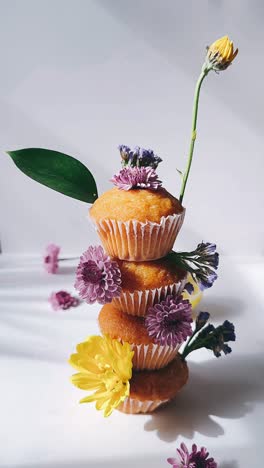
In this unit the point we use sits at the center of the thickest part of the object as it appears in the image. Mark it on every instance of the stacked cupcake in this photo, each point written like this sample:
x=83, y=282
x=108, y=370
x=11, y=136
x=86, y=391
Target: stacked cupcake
x=138, y=222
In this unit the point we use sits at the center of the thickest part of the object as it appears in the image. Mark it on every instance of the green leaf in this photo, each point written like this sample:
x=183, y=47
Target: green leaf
x=57, y=171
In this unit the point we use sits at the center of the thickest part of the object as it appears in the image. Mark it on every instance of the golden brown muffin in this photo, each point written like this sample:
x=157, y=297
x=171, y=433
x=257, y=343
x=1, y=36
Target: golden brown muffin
x=140, y=204
x=137, y=225
x=162, y=384
x=124, y=327
x=147, y=283
x=151, y=389
x=138, y=276
x=119, y=325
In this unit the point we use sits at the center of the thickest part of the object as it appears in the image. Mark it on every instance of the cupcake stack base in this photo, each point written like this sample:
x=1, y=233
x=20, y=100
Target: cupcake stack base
x=150, y=390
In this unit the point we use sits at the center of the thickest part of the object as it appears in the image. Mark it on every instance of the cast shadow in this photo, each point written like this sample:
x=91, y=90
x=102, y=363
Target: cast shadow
x=228, y=388
x=230, y=464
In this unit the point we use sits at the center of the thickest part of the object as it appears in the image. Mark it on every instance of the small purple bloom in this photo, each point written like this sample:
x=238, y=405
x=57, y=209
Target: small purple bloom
x=169, y=322
x=136, y=178
x=51, y=258
x=98, y=278
x=201, y=320
x=189, y=288
x=63, y=300
x=139, y=157
x=194, y=459
x=222, y=334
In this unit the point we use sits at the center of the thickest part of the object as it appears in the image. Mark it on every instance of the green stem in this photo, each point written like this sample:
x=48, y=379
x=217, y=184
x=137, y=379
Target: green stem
x=188, y=344
x=204, y=72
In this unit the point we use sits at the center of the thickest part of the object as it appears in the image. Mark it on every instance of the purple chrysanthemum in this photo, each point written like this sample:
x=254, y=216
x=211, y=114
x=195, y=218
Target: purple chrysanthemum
x=169, y=322
x=51, y=258
x=63, y=300
x=98, y=278
x=194, y=459
x=136, y=177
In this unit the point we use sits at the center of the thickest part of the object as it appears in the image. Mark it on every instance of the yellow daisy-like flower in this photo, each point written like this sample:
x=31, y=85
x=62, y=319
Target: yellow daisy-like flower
x=221, y=53
x=105, y=366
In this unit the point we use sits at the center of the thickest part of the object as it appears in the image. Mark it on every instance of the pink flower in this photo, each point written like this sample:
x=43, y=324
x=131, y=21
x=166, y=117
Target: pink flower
x=137, y=178
x=51, y=258
x=63, y=300
x=194, y=459
x=98, y=278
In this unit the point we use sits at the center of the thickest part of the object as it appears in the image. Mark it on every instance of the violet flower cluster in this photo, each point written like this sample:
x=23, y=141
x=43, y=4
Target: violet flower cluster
x=98, y=278
x=136, y=178
x=169, y=322
x=63, y=300
x=138, y=157
x=210, y=337
x=201, y=263
x=194, y=459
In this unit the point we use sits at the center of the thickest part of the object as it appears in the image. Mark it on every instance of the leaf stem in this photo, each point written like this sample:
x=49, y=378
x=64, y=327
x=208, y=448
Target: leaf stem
x=204, y=72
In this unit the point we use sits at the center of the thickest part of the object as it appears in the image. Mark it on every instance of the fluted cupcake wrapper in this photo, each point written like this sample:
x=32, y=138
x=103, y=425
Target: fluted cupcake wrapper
x=132, y=406
x=152, y=356
x=138, y=302
x=136, y=241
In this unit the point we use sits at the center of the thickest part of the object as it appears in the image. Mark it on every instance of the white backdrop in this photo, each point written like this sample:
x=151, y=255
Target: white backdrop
x=82, y=76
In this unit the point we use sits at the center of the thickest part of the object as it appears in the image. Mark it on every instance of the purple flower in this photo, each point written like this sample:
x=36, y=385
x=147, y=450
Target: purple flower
x=63, y=300
x=169, y=322
x=201, y=263
x=51, y=258
x=194, y=459
x=136, y=177
x=210, y=337
x=201, y=319
x=139, y=157
x=189, y=288
x=98, y=278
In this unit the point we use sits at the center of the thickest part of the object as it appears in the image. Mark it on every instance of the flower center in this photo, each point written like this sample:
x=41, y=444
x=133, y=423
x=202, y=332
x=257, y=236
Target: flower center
x=91, y=272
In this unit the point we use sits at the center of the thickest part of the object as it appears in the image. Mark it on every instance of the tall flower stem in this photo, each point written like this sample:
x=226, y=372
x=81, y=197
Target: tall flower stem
x=204, y=72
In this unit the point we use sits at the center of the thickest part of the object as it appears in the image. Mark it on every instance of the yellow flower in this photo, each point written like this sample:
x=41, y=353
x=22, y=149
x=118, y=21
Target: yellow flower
x=221, y=54
x=196, y=295
x=105, y=366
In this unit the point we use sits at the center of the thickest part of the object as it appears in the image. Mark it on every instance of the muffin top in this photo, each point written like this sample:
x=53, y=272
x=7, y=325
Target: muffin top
x=162, y=384
x=139, y=276
x=140, y=204
x=119, y=325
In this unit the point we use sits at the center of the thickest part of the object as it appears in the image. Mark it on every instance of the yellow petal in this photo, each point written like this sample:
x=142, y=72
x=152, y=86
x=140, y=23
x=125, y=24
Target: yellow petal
x=86, y=381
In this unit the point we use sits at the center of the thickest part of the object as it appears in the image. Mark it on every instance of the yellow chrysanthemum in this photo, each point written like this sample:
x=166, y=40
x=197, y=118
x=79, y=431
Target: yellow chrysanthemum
x=221, y=53
x=105, y=366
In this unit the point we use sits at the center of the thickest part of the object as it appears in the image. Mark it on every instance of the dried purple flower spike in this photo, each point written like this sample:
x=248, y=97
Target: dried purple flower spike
x=201, y=263
x=194, y=459
x=210, y=337
x=63, y=300
x=98, y=278
x=139, y=157
x=169, y=322
x=136, y=178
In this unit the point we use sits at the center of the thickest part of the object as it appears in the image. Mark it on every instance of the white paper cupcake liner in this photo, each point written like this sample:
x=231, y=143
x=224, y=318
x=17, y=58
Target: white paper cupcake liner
x=132, y=406
x=152, y=356
x=136, y=241
x=138, y=302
